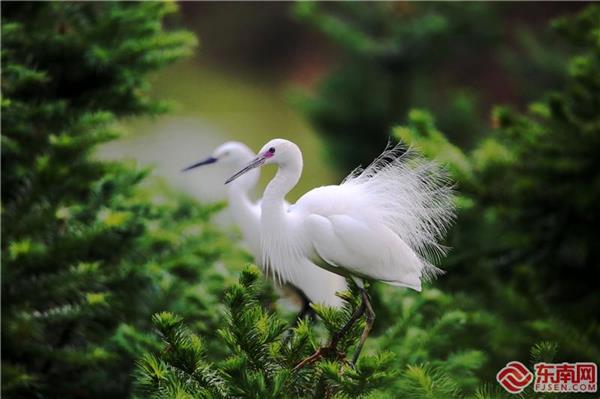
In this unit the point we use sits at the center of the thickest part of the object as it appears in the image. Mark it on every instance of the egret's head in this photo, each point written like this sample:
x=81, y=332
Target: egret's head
x=277, y=151
x=233, y=155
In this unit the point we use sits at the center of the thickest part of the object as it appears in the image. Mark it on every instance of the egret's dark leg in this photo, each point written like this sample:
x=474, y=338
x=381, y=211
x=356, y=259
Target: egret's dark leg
x=346, y=328
x=305, y=312
x=369, y=320
x=336, y=337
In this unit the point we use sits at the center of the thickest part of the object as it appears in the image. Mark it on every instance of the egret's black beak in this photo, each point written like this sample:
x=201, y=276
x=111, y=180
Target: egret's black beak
x=207, y=161
x=256, y=162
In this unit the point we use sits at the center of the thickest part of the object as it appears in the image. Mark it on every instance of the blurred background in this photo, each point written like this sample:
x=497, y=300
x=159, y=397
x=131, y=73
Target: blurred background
x=256, y=78
x=103, y=104
x=238, y=86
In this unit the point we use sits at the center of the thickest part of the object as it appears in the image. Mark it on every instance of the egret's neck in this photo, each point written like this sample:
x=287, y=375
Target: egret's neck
x=239, y=190
x=246, y=215
x=277, y=225
x=273, y=201
x=239, y=198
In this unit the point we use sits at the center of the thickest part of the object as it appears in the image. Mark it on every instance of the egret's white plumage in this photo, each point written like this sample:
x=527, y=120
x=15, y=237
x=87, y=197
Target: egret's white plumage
x=381, y=223
x=317, y=284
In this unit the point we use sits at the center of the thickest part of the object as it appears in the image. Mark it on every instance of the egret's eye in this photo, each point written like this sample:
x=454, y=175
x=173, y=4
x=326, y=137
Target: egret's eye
x=272, y=150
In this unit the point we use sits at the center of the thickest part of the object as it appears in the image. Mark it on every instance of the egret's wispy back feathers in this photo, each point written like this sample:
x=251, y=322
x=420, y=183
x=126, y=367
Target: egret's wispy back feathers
x=412, y=196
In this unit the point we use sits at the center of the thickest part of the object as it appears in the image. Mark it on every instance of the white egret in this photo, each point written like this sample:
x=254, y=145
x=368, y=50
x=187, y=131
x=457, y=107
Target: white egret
x=314, y=284
x=382, y=223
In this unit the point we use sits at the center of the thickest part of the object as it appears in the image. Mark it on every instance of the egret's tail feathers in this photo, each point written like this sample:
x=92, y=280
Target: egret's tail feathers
x=412, y=196
x=413, y=281
x=416, y=286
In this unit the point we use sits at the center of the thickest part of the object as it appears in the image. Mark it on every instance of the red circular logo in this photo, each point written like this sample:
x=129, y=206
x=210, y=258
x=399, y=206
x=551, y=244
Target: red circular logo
x=514, y=377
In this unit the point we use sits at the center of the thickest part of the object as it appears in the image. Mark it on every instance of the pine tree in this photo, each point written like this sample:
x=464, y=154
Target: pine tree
x=260, y=357
x=87, y=255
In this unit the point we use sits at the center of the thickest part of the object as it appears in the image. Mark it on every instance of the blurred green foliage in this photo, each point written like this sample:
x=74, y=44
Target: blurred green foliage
x=442, y=56
x=529, y=190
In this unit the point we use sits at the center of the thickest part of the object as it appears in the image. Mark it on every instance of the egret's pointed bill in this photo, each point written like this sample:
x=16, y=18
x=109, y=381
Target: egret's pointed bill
x=255, y=163
x=207, y=161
